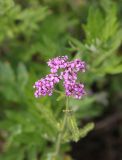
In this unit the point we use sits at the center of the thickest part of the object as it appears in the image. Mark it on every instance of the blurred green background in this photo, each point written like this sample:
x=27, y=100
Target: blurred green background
x=33, y=31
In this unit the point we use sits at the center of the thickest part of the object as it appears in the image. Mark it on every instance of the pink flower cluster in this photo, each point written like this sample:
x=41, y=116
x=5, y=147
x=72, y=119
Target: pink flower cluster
x=57, y=63
x=69, y=72
x=45, y=85
x=70, y=76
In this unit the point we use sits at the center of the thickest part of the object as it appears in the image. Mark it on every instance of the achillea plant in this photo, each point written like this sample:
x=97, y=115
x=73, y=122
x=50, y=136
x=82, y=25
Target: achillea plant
x=45, y=86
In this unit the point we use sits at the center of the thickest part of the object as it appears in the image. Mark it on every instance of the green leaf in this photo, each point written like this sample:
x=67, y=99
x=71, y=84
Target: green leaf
x=86, y=129
x=6, y=73
x=114, y=70
x=73, y=128
x=7, y=82
x=22, y=75
x=95, y=23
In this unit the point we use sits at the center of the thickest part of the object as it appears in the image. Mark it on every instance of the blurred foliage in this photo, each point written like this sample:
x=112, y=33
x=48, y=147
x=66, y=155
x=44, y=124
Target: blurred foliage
x=31, y=32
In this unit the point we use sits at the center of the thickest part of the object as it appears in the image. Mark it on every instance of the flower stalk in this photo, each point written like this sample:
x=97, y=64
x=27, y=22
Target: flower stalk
x=59, y=138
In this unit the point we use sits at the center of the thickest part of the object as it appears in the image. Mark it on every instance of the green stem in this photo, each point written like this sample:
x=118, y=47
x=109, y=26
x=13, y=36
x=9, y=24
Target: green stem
x=58, y=91
x=59, y=139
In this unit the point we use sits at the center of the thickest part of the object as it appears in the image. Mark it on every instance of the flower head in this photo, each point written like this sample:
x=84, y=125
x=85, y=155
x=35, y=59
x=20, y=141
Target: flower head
x=70, y=76
x=57, y=63
x=76, y=65
x=45, y=85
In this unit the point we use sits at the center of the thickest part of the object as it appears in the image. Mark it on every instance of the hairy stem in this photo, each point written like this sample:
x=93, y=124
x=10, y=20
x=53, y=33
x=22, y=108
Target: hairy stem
x=59, y=138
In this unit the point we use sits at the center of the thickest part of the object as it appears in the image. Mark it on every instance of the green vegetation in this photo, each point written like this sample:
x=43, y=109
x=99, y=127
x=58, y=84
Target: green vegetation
x=33, y=31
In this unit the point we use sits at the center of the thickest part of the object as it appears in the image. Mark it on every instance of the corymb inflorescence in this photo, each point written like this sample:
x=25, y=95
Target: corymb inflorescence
x=68, y=74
